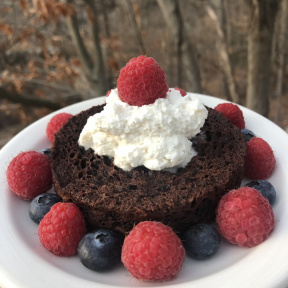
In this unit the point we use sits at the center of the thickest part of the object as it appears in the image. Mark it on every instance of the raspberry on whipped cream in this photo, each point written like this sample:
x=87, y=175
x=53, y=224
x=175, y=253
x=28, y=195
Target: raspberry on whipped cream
x=155, y=135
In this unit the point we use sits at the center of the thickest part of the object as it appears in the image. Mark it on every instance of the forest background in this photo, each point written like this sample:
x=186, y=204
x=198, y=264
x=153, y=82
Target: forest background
x=57, y=52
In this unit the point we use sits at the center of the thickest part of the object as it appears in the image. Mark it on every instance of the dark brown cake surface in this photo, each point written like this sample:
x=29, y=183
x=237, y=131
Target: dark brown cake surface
x=116, y=199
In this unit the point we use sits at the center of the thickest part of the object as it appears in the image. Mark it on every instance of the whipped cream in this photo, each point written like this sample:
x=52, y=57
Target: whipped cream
x=155, y=135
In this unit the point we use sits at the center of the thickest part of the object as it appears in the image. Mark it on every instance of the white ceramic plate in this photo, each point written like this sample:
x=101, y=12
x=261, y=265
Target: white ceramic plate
x=25, y=263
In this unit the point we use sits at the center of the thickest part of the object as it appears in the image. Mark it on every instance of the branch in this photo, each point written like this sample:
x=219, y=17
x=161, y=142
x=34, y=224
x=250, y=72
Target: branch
x=223, y=55
x=281, y=57
x=95, y=29
x=184, y=49
x=73, y=27
x=47, y=84
x=99, y=75
x=128, y=7
x=28, y=101
x=171, y=14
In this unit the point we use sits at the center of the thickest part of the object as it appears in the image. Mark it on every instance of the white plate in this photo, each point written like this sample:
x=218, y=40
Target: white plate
x=25, y=263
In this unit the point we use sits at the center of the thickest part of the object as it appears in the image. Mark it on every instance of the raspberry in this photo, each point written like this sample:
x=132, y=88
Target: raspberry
x=233, y=113
x=62, y=228
x=152, y=251
x=260, y=161
x=56, y=123
x=108, y=93
x=245, y=217
x=182, y=91
x=29, y=174
x=142, y=81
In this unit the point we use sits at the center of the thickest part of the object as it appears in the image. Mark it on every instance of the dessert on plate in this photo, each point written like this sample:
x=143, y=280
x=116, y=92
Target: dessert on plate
x=164, y=157
x=148, y=160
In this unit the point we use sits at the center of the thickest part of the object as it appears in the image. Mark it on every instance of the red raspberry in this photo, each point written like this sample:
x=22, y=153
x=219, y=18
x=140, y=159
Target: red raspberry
x=29, y=174
x=233, y=113
x=108, y=93
x=245, y=217
x=260, y=161
x=62, y=228
x=142, y=81
x=56, y=123
x=152, y=251
x=182, y=91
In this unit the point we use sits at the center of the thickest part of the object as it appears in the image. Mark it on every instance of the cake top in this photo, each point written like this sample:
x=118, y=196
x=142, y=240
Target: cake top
x=155, y=135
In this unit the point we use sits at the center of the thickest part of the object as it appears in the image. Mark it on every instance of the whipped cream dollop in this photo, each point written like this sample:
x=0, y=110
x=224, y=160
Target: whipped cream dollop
x=155, y=135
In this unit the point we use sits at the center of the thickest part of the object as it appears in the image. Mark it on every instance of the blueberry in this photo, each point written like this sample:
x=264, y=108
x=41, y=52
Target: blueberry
x=201, y=241
x=46, y=151
x=41, y=205
x=265, y=188
x=248, y=134
x=100, y=250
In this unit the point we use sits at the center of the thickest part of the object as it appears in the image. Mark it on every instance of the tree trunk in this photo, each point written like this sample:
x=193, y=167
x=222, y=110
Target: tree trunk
x=29, y=101
x=72, y=24
x=99, y=71
x=221, y=10
x=281, y=56
x=181, y=55
x=94, y=68
x=107, y=51
x=263, y=14
x=224, y=57
x=170, y=11
x=128, y=8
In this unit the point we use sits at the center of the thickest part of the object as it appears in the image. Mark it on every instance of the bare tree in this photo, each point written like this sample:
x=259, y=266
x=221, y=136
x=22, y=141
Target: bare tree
x=181, y=55
x=13, y=96
x=129, y=11
x=281, y=56
x=263, y=14
x=93, y=67
x=222, y=50
x=222, y=12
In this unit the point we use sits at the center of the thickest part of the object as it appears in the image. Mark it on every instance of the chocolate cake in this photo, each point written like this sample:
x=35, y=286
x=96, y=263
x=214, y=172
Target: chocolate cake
x=116, y=199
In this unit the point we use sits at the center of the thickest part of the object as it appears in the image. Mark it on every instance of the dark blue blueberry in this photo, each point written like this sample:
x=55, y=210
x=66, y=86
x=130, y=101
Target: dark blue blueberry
x=248, y=134
x=101, y=250
x=201, y=241
x=266, y=189
x=46, y=151
x=41, y=205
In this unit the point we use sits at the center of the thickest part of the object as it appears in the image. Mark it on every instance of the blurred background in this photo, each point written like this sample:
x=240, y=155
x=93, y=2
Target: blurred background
x=57, y=52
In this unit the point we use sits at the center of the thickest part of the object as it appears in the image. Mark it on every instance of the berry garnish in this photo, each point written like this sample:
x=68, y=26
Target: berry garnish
x=56, y=123
x=62, y=228
x=100, y=250
x=233, y=113
x=152, y=251
x=201, y=241
x=245, y=217
x=260, y=161
x=182, y=91
x=142, y=81
x=248, y=134
x=108, y=93
x=29, y=174
x=41, y=205
x=46, y=151
x=265, y=188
